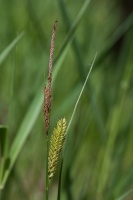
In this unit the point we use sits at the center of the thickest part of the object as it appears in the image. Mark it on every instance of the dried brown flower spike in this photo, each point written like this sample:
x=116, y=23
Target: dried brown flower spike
x=47, y=89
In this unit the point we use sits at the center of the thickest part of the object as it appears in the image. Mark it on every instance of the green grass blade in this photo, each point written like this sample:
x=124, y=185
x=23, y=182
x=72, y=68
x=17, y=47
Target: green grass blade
x=82, y=74
x=8, y=49
x=74, y=26
x=77, y=102
x=23, y=132
x=121, y=30
x=59, y=183
x=67, y=150
x=124, y=182
x=125, y=195
x=3, y=151
x=113, y=126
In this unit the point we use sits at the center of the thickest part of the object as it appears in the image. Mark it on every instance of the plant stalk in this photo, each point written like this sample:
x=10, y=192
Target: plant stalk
x=47, y=178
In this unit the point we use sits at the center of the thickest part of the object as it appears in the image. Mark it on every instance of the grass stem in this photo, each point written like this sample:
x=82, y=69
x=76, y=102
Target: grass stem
x=47, y=179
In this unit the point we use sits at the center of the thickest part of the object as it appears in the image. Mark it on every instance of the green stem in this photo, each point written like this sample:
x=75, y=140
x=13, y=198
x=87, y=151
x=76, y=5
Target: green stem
x=47, y=179
x=59, y=184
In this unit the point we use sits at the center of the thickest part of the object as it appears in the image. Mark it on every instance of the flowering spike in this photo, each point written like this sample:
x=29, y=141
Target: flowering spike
x=47, y=89
x=56, y=145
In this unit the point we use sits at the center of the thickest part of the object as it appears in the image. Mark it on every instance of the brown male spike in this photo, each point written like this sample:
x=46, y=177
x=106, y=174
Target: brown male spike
x=47, y=89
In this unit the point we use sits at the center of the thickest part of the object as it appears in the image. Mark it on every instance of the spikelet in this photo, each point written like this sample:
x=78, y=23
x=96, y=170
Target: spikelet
x=47, y=89
x=56, y=145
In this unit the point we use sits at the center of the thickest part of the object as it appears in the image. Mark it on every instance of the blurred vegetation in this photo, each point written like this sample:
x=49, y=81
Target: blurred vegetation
x=98, y=162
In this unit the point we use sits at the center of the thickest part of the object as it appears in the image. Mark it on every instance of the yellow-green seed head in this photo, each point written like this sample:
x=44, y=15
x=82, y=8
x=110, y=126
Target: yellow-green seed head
x=56, y=145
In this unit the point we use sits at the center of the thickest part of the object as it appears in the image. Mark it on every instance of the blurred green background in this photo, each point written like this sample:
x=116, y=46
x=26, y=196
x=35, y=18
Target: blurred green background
x=98, y=159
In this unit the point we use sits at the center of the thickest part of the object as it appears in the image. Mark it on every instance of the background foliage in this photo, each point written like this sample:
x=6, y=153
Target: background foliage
x=98, y=162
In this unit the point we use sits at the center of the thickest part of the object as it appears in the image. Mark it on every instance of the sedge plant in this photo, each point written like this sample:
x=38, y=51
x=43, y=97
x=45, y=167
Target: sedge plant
x=55, y=142
x=58, y=136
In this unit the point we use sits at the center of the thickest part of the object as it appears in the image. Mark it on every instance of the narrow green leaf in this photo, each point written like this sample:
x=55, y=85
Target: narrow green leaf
x=66, y=150
x=77, y=102
x=3, y=150
x=3, y=138
x=23, y=132
x=8, y=49
x=120, y=31
x=82, y=73
x=125, y=195
x=74, y=26
x=59, y=184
